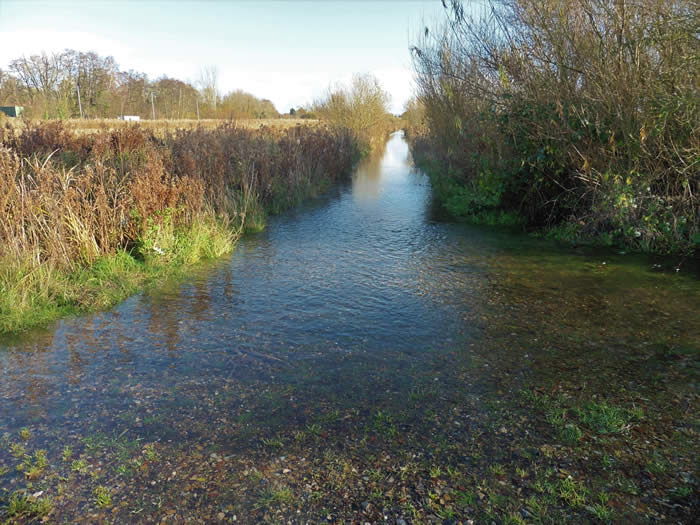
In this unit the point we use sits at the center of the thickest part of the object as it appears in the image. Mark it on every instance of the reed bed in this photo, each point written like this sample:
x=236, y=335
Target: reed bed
x=164, y=126
x=87, y=219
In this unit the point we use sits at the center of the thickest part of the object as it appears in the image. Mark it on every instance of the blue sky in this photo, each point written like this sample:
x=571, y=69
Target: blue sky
x=288, y=51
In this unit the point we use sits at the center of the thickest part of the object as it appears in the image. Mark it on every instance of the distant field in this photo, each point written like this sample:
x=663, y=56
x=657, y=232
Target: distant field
x=93, y=125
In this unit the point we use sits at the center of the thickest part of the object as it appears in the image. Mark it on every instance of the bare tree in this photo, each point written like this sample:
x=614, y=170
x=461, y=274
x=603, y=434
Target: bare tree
x=208, y=84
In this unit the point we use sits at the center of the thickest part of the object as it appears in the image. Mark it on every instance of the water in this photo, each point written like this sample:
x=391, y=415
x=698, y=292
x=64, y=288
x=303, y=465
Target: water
x=340, y=310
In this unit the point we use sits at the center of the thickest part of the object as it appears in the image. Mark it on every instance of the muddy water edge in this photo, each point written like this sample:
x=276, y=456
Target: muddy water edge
x=362, y=361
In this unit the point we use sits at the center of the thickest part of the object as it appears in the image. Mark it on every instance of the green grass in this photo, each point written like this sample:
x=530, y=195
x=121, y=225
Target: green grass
x=102, y=497
x=23, y=508
x=274, y=496
x=33, y=295
x=606, y=419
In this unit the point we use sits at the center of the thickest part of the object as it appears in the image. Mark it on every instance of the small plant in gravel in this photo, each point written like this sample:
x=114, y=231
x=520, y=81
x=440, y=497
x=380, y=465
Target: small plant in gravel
x=150, y=453
x=79, y=466
x=102, y=496
x=465, y=499
x=17, y=450
x=25, y=434
x=25, y=508
x=275, y=496
x=571, y=433
x=680, y=492
x=497, y=469
x=572, y=492
x=605, y=419
x=67, y=453
x=34, y=467
x=602, y=512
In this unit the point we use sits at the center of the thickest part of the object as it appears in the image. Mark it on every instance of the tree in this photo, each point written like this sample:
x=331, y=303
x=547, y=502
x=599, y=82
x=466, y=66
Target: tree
x=363, y=107
x=208, y=85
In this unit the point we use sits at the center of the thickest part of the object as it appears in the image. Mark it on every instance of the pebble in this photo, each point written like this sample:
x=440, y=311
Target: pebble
x=221, y=515
x=401, y=521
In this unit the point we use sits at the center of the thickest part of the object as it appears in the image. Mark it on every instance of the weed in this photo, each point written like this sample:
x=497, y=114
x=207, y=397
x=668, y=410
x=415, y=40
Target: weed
x=602, y=512
x=22, y=506
x=513, y=519
x=25, y=434
x=680, y=492
x=79, y=465
x=102, y=496
x=465, y=499
x=278, y=495
x=497, y=469
x=275, y=442
x=604, y=419
x=150, y=453
x=67, y=453
x=572, y=492
x=435, y=471
x=571, y=433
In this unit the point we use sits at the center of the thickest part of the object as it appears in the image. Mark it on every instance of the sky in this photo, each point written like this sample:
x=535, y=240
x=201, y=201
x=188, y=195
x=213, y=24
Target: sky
x=287, y=51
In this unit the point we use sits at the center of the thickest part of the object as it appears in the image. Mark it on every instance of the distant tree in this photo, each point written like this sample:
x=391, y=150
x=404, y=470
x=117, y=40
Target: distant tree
x=208, y=86
x=292, y=112
x=363, y=106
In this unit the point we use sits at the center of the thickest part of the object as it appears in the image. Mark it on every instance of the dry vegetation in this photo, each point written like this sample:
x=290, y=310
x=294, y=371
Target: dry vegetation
x=580, y=115
x=362, y=107
x=81, y=212
x=164, y=126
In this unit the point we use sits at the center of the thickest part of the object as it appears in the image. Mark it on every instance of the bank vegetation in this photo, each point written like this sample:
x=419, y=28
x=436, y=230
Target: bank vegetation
x=87, y=219
x=362, y=106
x=580, y=117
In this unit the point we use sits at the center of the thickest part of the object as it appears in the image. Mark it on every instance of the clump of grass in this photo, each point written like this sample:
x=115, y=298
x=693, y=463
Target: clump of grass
x=150, y=452
x=605, y=419
x=572, y=492
x=278, y=495
x=17, y=450
x=22, y=507
x=102, y=496
x=79, y=465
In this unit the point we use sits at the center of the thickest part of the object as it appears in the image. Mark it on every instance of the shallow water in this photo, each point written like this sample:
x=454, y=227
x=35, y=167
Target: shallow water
x=346, y=303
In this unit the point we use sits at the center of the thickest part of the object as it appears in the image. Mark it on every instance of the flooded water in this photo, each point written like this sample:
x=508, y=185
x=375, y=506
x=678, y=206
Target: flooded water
x=342, y=311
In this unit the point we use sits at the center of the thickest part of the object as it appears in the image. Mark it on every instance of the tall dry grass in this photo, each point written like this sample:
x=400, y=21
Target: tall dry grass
x=162, y=126
x=70, y=201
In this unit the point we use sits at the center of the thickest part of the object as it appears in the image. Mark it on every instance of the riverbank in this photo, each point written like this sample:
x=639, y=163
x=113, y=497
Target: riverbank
x=482, y=202
x=570, y=119
x=89, y=219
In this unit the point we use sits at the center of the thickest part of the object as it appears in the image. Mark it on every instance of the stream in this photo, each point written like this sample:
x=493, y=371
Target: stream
x=341, y=335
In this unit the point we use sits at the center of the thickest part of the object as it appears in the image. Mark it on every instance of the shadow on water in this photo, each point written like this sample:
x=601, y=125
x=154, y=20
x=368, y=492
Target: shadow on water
x=352, y=329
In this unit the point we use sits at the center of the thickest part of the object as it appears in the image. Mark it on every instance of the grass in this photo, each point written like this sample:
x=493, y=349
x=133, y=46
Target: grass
x=278, y=495
x=22, y=507
x=86, y=221
x=102, y=496
x=605, y=419
x=79, y=465
x=167, y=125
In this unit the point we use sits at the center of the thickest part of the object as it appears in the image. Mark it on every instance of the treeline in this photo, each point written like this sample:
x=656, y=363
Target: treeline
x=580, y=116
x=87, y=219
x=76, y=84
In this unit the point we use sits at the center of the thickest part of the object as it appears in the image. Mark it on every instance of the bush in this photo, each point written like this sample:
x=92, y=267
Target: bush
x=586, y=111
